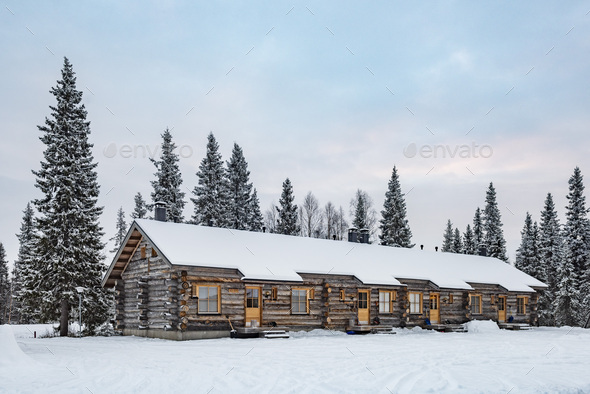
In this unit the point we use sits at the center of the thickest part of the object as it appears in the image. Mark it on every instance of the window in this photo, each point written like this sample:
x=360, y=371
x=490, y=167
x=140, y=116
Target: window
x=209, y=299
x=154, y=253
x=415, y=302
x=274, y=294
x=450, y=298
x=475, y=301
x=299, y=301
x=142, y=251
x=252, y=297
x=385, y=301
x=342, y=295
x=521, y=305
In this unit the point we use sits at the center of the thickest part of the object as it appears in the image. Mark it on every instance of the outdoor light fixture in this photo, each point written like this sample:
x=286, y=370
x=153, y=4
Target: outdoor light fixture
x=80, y=290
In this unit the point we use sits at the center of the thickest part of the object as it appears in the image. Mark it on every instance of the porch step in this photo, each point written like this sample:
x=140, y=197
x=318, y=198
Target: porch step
x=275, y=334
x=446, y=327
x=366, y=329
x=515, y=326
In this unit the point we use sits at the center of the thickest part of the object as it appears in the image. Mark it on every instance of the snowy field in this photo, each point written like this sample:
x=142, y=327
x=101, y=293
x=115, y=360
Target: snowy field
x=547, y=360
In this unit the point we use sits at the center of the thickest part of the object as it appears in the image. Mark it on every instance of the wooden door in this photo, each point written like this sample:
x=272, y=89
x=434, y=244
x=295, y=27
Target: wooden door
x=434, y=308
x=253, y=316
x=363, y=306
x=501, y=309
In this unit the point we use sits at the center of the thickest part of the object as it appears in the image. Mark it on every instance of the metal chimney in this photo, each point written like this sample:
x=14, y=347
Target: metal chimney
x=353, y=235
x=160, y=211
x=483, y=251
x=364, y=236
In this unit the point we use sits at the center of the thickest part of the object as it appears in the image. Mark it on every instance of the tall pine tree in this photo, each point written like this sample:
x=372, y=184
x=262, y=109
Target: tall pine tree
x=363, y=213
x=68, y=251
x=395, y=229
x=254, y=217
x=141, y=209
x=212, y=197
x=287, y=211
x=527, y=259
x=24, y=269
x=457, y=241
x=492, y=224
x=240, y=190
x=469, y=243
x=121, y=231
x=5, y=293
x=478, y=234
x=576, y=250
x=550, y=255
x=447, y=245
x=168, y=180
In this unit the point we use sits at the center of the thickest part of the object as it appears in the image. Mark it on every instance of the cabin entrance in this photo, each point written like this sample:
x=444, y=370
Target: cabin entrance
x=501, y=309
x=363, y=307
x=253, y=315
x=434, y=308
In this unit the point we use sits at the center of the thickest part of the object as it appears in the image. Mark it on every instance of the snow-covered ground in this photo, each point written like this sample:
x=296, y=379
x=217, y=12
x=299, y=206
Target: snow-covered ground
x=483, y=360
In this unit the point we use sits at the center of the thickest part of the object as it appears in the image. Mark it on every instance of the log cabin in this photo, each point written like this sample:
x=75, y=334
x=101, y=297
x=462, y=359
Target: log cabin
x=183, y=281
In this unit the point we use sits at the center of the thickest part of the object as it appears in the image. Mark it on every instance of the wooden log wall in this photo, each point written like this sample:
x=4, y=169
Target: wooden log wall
x=144, y=299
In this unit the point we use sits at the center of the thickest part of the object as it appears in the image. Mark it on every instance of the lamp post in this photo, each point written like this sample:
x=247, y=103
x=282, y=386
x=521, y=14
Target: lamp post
x=80, y=290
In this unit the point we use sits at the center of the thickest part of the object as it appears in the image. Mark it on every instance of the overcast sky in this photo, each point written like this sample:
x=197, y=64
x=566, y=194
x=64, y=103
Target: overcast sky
x=330, y=94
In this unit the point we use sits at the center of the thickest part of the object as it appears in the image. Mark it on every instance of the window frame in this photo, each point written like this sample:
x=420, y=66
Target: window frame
x=307, y=292
x=196, y=292
x=413, y=303
x=524, y=305
x=388, y=303
x=479, y=305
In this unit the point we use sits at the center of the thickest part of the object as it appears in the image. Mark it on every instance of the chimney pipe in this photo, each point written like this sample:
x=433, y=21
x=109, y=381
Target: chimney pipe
x=160, y=211
x=353, y=235
x=483, y=251
x=364, y=236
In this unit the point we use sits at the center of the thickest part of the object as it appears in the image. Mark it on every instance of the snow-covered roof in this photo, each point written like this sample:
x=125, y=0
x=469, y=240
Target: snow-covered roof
x=275, y=257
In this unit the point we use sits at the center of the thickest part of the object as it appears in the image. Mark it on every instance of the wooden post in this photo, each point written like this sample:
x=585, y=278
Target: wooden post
x=63, y=322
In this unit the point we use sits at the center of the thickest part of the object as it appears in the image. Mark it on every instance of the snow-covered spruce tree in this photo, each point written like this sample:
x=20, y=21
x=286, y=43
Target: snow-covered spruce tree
x=68, y=250
x=168, y=180
x=566, y=303
x=254, y=218
x=457, y=241
x=363, y=213
x=576, y=246
x=287, y=217
x=478, y=234
x=24, y=272
x=240, y=190
x=492, y=225
x=212, y=199
x=121, y=231
x=527, y=253
x=469, y=245
x=5, y=293
x=395, y=229
x=141, y=209
x=447, y=245
x=550, y=255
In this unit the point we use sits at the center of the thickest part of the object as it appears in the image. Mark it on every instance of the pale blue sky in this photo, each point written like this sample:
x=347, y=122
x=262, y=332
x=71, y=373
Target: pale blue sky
x=328, y=94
